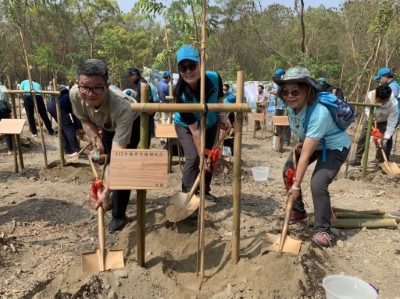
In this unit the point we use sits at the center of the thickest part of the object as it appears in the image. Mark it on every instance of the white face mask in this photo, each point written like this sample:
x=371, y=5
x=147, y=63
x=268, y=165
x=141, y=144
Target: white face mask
x=224, y=91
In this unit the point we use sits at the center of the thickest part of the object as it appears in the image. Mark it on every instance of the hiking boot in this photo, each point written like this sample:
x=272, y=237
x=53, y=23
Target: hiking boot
x=117, y=224
x=355, y=163
x=322, y=239
x=298, y=217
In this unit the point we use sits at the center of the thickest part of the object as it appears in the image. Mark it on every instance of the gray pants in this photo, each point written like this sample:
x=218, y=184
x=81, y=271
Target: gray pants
x=322, y=176
x=192, y=160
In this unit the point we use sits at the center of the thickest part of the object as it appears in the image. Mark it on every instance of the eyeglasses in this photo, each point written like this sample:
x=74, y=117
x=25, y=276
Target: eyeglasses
x=293, y=92
x=98, y=91
x=185, y=68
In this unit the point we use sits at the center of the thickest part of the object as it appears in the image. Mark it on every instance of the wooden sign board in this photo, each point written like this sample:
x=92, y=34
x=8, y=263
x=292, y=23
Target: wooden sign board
x=280, y=120
x=258, y=116
x=140, y=169
x=11, y=126
x=166, y=131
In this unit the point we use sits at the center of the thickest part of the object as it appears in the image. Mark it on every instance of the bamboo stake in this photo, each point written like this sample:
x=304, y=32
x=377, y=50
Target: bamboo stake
x=171, y=97
x=360, y=222
x=15, y=137
x=203, y=123
x=59, y=122
x=34, y=98
x=237, y=166
x=141, y=194
x=354, y=145
x=219, y=107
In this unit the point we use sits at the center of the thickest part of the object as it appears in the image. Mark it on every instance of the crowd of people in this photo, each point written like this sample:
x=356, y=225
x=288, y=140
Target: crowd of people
x=103, y=113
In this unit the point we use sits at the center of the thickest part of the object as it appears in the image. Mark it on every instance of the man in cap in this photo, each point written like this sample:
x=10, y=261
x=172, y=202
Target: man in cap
x=385, y=76
x=281, y=109
x=137, y=79
x=163, y=92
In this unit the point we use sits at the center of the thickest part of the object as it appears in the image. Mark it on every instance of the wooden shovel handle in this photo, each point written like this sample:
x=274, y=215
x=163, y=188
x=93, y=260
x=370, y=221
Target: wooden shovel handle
x=289, y=207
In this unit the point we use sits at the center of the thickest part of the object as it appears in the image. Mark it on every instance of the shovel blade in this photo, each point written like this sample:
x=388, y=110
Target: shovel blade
x=180, y=201
x=176, y=214
x=92, y=261
x=271, y=242
x=390, y=168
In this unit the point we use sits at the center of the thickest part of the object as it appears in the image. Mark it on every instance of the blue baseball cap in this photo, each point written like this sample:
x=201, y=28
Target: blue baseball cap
x=167, y=74
x=279, y=72
x=381, y=72
x=189, y=53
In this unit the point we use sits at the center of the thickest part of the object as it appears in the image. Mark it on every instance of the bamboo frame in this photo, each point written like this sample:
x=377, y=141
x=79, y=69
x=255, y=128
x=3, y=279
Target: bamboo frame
x=141, y=194
x=175, y=107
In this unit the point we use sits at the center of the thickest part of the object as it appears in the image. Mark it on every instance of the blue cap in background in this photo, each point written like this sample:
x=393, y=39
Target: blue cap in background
x=167, y=74
x=381, y=72
x=279, y=72
x=188, y=52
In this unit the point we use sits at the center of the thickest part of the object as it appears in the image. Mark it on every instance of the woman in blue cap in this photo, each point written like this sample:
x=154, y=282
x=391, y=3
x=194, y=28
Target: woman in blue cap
x=187, y=125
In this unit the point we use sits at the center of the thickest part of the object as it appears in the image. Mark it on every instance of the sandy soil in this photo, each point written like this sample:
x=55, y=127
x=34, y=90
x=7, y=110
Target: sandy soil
x=46, y=224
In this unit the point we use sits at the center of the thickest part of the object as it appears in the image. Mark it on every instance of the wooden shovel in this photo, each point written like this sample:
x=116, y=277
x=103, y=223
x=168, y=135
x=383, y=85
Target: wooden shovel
x=390, y=168
x=283, y=242
x=183, y=204
x=76, y=157
x=101, y=259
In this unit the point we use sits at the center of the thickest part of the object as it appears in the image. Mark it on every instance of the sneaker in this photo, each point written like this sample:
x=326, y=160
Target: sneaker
x=73, y=155
x=298, y=217
x=355, y=163
x=117, y=224
x=322, y=239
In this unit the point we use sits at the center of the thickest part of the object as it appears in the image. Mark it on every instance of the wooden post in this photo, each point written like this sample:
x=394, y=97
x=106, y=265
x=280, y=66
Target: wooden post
x=34, y=98
x=203, y=124
x=16, y=138
x=237, y=168
x=141, y=194
x=59, y=122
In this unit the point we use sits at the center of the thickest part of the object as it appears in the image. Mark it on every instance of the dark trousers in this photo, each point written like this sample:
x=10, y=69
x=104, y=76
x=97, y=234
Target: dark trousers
x=120, y=198
x=361, y=142
x=68, y=127
x=283, y=131
x=30, y=113
x=192, y=160
x=322, y=176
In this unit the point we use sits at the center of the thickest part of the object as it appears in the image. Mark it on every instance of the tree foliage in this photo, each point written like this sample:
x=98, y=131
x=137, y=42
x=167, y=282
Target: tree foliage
x=346, y=45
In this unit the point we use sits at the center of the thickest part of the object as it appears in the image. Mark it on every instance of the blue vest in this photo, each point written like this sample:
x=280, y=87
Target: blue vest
x=212, y=98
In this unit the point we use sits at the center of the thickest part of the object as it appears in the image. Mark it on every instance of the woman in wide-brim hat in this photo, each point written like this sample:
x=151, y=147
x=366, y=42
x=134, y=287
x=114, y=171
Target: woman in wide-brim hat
x=299, y=91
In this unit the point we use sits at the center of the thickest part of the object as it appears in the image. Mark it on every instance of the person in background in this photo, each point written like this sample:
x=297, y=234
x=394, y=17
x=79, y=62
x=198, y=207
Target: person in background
x=325, y=86
x=386, y=76
x=280, y=109
x=163, y=91
x=137, y=79
x=70, y=124
x=96, y=105
x=229, y=98
x=5, y=113
x=187, y=125
x=262, y=101
x=386, y=121
x=298, y=90
x=29, y=106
